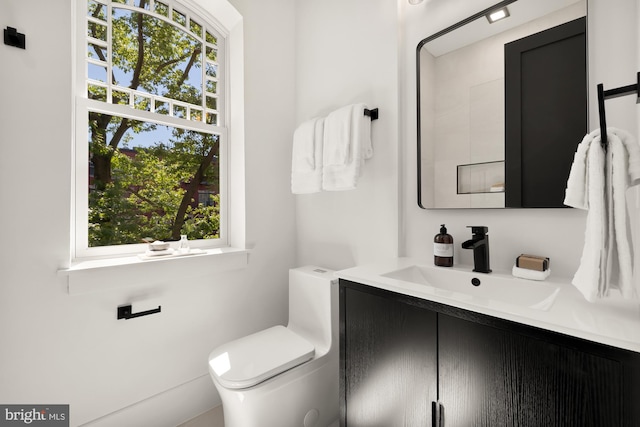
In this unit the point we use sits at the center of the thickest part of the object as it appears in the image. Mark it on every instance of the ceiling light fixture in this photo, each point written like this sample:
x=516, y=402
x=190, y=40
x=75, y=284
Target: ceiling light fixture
x=415, y=1
x=497, y=15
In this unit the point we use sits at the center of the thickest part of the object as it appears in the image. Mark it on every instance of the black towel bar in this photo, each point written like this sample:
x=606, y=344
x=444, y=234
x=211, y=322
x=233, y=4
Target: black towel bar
x=613, y=93
x=126, y=312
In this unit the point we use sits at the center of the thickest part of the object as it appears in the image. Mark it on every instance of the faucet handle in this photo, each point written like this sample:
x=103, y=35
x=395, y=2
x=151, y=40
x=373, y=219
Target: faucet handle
x=478, y=229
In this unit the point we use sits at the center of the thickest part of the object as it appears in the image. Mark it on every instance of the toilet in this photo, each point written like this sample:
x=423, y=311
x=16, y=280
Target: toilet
x=285, y=376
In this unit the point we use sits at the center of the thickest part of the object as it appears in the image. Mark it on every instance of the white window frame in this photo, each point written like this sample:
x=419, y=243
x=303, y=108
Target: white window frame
x=221, y=15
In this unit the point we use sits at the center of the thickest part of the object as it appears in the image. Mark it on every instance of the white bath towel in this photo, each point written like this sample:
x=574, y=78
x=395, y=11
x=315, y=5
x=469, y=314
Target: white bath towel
x=306, y=157
x=598, y=182
x=347, y=143
x=623, y=157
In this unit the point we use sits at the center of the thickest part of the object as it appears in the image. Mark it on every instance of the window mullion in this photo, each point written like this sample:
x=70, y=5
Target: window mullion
x=203, y=73
x=127, y=112
x=109, y=53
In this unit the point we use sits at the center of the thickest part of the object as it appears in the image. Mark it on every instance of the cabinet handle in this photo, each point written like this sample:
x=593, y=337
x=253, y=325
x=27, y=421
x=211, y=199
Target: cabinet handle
x=434, y=414
x=437, y=414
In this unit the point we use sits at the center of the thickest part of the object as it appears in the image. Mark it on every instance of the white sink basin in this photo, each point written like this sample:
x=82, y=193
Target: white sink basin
x=486, y=289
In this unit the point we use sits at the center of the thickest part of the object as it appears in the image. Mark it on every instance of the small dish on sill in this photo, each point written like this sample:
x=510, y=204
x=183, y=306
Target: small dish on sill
x=158, y=245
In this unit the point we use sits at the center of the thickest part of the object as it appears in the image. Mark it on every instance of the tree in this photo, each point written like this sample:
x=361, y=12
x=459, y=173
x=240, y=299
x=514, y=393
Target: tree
x=151, y=189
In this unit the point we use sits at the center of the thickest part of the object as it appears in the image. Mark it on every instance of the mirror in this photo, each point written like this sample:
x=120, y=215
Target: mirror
x=461, y=108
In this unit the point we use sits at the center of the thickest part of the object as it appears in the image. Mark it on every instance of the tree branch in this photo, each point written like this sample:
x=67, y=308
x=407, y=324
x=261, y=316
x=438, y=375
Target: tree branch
x=192, y=60
x=165, y=64
x=136, y=193
x=190, y=191
x=125, y=125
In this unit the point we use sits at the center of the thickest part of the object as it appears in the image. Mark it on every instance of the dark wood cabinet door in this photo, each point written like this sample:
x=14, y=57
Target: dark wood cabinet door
x=489, y=376
x=388, y=361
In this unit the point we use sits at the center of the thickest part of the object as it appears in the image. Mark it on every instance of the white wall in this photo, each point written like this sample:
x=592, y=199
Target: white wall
x=346, y=52
x=58, y=348
x=557, y=233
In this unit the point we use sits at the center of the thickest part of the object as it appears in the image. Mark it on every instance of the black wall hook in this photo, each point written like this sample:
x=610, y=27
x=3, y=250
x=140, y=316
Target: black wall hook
x=125, y=312
x=371, y=113
x=13, y=38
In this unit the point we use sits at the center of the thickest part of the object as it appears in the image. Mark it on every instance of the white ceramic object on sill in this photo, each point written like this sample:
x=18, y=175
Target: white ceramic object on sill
x=158, y=245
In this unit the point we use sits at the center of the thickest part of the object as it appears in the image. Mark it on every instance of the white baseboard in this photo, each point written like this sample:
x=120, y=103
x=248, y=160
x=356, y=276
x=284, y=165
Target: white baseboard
x=168, y=409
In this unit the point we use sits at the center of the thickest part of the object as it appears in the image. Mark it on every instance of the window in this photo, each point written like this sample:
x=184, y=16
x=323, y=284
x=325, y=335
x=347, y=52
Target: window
x=151, y=135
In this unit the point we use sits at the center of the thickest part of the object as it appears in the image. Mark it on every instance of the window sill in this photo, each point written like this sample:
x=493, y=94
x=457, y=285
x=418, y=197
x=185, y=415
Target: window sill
x=113, y=273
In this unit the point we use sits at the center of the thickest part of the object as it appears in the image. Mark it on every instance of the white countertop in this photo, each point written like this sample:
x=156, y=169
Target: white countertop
x=612, y=321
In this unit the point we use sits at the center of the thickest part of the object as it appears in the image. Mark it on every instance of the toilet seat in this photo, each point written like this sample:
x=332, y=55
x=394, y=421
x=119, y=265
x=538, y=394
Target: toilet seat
x=250, y=360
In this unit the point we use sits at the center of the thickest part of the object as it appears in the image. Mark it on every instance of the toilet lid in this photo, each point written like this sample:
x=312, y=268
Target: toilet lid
x=250, y=360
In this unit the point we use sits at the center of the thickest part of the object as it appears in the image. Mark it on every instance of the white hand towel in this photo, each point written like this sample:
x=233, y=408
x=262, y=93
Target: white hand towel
x=633, y=155
x=623, y=156
x=306, y=157
x=575, y=194
x=598, y=182
x=588, y=277
x=337, y=137
x=347, y=143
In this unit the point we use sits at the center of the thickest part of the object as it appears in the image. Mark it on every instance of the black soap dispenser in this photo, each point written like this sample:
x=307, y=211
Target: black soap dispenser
x=443, y=248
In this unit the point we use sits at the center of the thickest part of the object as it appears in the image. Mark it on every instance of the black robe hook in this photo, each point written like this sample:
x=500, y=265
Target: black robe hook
x=13, y=38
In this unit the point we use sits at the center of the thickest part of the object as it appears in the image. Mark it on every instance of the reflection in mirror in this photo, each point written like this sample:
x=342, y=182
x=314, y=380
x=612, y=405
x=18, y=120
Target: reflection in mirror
x=461, y=103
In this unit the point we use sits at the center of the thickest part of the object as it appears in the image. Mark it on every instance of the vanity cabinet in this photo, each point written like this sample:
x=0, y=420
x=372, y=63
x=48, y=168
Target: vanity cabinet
x=407, y=362
x=389, y=360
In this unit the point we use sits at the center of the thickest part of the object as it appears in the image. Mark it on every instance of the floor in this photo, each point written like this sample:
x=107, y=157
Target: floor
x=215, y=418
x=211, y=418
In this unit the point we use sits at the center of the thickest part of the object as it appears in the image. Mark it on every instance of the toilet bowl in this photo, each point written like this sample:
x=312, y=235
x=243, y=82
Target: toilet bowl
x=285, y=376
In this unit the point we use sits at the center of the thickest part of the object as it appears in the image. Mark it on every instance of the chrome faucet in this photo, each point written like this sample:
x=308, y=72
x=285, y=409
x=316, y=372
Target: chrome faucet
x=480, y=244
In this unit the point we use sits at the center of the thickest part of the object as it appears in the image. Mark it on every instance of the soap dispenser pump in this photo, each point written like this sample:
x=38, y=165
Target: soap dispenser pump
x=443, y=248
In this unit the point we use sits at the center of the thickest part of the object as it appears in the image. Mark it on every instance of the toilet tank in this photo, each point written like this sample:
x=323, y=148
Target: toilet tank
x=313, y=306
